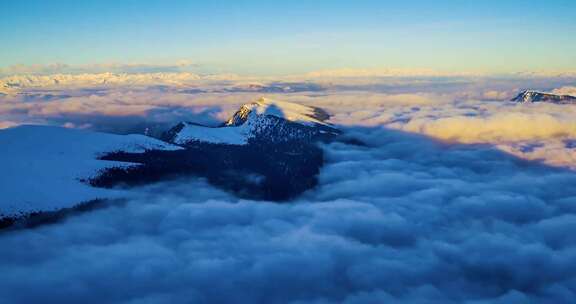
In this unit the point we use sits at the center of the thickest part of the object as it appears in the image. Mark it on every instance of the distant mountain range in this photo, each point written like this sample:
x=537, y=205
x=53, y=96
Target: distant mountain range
x=535, y=96
x=267, y=150
x=188, y=83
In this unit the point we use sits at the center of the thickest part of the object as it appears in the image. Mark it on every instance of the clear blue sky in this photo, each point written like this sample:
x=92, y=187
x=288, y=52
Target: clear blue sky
x=279, y=37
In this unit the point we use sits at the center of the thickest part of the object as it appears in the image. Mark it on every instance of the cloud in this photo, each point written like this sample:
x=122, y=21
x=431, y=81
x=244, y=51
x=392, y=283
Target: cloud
x=384, y=72
x=547, y=74
x=89, y=80
x=441, y=205
x=497, y=95
x=402, y=220
x=454, y=109
x=122, y=111
x=421, y=72
x=567, y=90
x=7, y=124
x=61, y=68
x=498, y=127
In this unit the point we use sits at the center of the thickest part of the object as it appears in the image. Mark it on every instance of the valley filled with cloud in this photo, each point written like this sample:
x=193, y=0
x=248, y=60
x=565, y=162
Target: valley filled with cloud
x=287, y=152
x=446, y=192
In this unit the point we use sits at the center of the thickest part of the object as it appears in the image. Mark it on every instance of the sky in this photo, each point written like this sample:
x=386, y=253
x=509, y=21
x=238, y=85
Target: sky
x=283, y=37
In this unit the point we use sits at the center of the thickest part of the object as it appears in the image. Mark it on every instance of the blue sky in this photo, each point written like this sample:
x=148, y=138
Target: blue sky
x=280, y=37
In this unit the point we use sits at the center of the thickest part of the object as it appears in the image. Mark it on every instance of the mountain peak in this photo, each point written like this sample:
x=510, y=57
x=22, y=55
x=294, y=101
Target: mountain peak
x=290, y=111
x=262, y=120
x=536, y=96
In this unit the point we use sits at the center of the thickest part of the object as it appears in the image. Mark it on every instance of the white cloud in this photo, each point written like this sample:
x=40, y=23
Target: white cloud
x=495, y=128
x=61, y=68
x=547, y=73
x=67, y=81
x=384, y=72
x=460, y=109
x=436, y=207
x=7, y=124
x=568, y=90
x=402, y=219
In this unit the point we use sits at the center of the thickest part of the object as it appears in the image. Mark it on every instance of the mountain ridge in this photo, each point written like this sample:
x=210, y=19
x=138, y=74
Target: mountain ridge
x=537, y=96
x=265, y=120
x=277, y=160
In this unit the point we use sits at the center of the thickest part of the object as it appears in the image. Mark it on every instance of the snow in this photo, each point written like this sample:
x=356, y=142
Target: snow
x=42, y=166
x=224, y=135
x=240, y=128
x=287, y=110
x=19, y=82
x=528, y=96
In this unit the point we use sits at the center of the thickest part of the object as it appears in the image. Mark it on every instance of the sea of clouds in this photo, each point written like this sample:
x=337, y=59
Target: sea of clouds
x=402, y=219
x=456, y=196
x=457, y=109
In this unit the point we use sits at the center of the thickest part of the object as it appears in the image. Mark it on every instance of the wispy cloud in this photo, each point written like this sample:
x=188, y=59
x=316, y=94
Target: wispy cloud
x=386, y=72
x=62, y=68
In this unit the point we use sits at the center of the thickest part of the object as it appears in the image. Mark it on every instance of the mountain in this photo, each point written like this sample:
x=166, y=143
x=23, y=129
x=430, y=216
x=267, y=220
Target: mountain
x=535, y=96
x=264, y=121
x=23, y=82
x=267, y=150
x=47, y=168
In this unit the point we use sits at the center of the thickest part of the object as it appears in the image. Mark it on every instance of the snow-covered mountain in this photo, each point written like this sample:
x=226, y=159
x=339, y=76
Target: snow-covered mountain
x=18, y=82
x=535, y=96
x=49, y=168
x=266, y=150
x=265, y=120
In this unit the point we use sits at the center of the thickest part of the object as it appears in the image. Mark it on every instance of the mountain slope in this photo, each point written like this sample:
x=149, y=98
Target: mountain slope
x=266, y=150
x=47, y=168
x=266, y=120
x=535, y=96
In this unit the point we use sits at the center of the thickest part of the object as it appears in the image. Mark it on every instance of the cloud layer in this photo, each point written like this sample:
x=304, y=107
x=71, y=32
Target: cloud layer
x=403, y=219
x=60, y=68
x=442, y=205
x=457, y=109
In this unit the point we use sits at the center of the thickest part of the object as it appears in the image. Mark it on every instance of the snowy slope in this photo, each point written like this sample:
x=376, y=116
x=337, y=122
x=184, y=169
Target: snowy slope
x=226, y=135
x=42, y=166
x=290, y=111
x=267, y=119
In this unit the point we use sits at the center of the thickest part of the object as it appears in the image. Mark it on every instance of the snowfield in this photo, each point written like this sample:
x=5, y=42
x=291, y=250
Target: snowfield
x=224, y=135
x=43, y=166
x=288, y=110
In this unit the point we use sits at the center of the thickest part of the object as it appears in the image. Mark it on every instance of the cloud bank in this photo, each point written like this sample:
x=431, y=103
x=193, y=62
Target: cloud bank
x=567, y=90
x=457, y=109
x=402, y=220
x=385, y=72
x=132, y=68
x=444, y=203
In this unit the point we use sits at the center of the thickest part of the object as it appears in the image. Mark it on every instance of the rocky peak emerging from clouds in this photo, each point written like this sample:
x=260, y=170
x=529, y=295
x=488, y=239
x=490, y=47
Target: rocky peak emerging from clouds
x=290, y=111
x=266, y=150
x=264, y=120
x=535, y=96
